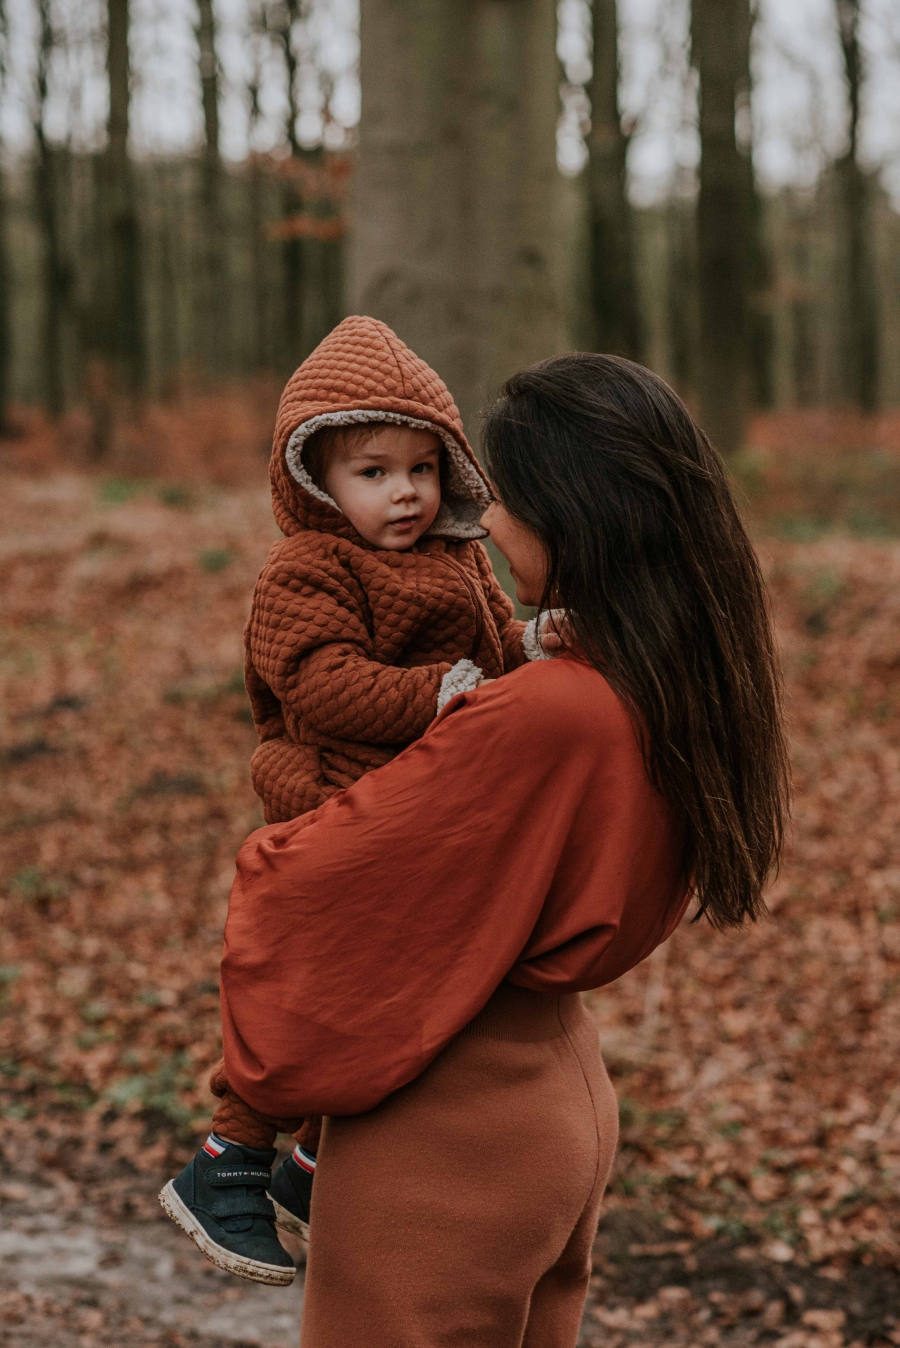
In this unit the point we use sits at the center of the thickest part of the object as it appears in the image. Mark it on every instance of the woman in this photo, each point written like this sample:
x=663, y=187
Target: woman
x=407, y=960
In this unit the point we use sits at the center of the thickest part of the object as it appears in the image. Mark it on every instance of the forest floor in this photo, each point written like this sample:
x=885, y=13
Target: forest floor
x=755, y=1197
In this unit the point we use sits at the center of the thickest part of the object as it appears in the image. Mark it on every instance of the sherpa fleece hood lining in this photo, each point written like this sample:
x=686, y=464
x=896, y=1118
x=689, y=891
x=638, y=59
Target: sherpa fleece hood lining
x=464, y=500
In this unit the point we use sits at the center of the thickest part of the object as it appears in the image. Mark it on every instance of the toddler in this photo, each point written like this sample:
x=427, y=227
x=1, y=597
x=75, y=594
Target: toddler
x=375, y=609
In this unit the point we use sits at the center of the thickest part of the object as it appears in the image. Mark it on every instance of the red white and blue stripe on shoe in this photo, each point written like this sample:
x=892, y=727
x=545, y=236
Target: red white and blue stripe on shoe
x=304, y=1159
x=214, y=1146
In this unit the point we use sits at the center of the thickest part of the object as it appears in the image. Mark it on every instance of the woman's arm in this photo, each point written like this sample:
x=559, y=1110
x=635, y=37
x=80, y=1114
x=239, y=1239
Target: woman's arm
x=362, y=937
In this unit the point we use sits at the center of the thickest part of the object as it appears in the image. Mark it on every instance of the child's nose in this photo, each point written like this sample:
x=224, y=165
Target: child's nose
x=405, y=488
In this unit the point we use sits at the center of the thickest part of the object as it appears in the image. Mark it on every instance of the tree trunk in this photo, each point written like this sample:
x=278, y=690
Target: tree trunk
x=215, y=318
x=758, y=281
x=455, y=229
x=171, y=228
x=293, y=261
x=332, y=282
x=261, y=347
x=760, y=318
x=681, y=296
x=55, y=279
x=804, y=371
x=614, y=291
x=260, y=359
x=861, y=353
x=292, y=250
x=124, y=326
x=5, y=269
x=5, y=316
x=718, y=47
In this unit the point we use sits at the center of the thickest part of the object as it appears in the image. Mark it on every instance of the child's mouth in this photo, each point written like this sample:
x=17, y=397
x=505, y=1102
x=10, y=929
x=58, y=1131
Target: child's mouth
x=406, y=522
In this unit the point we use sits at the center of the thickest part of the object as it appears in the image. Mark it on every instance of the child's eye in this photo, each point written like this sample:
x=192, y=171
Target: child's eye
x=371, y=473
x=423, y=468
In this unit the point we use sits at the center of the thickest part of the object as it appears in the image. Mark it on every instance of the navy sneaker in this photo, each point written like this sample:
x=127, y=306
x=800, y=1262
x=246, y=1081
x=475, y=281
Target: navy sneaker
x=291, y=1192
x=221, y=1202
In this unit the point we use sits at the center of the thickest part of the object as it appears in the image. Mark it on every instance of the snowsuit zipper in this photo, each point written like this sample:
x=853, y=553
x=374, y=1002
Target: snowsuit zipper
x=477, y=601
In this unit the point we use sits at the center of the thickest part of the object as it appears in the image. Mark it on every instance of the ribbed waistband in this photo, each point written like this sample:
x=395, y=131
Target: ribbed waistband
x=519, y=1014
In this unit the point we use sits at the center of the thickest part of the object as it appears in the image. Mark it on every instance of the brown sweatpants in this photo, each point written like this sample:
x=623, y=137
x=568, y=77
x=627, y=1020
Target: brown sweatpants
x=462, y=1210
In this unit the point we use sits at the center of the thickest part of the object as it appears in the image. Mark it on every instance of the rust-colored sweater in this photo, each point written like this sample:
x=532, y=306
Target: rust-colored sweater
x=348, y=645
x=519, y=839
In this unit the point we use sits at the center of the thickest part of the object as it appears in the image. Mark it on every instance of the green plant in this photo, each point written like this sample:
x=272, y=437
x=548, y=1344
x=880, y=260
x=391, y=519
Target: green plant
x=175, y=495
x=32, y=885
x=214, y=560
x=156, y=1092
x=118, y=490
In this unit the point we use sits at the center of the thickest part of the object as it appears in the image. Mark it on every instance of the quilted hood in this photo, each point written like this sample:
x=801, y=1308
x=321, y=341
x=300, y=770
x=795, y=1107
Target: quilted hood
x=363, y=372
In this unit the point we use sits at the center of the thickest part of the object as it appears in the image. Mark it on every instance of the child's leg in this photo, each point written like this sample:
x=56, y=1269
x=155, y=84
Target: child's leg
x=221, y=1198
x=236, y=1121
x=292, y=1183
x=308, y=1136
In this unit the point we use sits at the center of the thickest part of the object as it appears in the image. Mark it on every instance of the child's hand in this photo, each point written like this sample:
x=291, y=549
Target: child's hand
x=556, y=634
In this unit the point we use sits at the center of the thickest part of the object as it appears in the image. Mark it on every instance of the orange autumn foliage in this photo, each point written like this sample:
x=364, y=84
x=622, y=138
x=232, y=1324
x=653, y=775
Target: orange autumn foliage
x=756, y=1070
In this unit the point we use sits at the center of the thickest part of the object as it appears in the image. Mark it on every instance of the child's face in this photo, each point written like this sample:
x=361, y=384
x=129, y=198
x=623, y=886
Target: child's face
x=389, y=485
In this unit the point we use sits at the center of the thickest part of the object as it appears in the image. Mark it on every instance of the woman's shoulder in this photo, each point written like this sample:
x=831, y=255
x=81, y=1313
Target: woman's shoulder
x=562, y=704
x=569, y=693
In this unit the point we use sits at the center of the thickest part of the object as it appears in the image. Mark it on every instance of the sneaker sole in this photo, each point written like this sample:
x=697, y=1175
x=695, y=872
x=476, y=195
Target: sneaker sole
x=238, y=1264
x=288, y=1222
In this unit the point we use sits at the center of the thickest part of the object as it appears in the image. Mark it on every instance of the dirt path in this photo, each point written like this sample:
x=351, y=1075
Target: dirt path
x=72, y=1279
x=756, y=1196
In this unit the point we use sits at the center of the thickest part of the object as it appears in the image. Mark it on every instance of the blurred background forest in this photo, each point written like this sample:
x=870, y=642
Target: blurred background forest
x=192, y=192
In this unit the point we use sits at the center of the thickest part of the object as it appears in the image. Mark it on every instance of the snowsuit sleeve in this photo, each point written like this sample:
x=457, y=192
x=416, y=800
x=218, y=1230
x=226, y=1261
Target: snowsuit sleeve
x=308, y=642
x=519, y=838
x=509, y=628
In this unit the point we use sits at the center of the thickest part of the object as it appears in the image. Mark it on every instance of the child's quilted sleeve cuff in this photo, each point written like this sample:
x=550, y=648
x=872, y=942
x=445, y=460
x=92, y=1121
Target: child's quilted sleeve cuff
x=531, y=644
x=462, y=678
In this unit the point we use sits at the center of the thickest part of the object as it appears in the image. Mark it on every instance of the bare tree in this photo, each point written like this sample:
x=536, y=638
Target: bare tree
x=861, y=344
x=614, y=291
x=261, y=344
x=802, y=309
x=124, y=329
x=330, y=246
x=169, y=281
x=455, y=226
x=681, y=292
x=283, y=19
x=214, y=321
x=718, y=40
x=758, y=264
x=55, y=273
x=5, y=268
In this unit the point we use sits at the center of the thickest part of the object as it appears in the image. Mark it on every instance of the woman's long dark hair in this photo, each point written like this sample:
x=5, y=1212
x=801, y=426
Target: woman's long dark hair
x=649, y=558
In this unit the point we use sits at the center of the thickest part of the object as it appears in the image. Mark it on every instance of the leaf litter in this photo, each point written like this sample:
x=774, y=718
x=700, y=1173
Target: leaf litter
x=755, y=1196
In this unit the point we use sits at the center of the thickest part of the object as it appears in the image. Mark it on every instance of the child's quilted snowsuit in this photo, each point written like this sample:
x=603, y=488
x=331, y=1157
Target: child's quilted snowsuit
x=347, y=644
